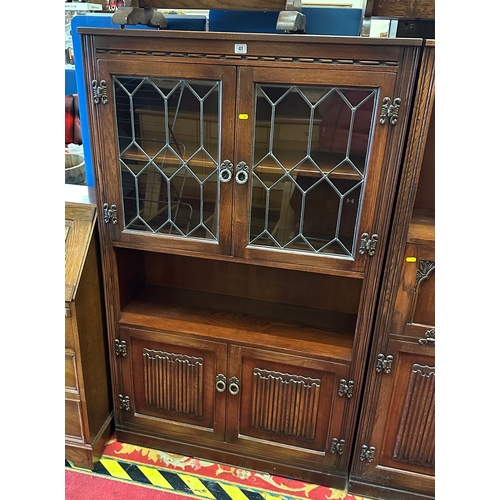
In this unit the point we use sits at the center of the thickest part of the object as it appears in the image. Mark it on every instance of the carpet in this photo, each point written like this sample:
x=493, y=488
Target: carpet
x=127, y=471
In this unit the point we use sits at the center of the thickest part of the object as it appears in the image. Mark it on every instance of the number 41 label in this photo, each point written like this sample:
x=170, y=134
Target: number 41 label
x=240, y=48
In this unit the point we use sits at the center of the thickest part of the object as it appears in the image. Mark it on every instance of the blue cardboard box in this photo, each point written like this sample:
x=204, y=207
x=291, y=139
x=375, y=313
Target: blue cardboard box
x=319, y=21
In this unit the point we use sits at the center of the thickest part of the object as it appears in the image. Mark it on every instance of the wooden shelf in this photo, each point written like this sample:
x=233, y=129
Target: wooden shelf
x=422, y=227
x=326, y=161
x=134, y=154
x=268, y=166
x=326, y=334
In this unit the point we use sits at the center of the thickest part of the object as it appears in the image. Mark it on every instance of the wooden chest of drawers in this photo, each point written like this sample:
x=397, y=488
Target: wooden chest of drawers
x=87, y=387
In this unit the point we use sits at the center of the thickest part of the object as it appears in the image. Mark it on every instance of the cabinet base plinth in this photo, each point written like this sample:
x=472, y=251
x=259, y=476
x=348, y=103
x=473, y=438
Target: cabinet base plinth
x=380, y=492
x=85, y=455
x=337, y=480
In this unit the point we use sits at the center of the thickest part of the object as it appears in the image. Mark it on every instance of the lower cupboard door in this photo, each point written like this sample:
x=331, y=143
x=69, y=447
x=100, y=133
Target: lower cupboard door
x=286, y=408
x=403, y=430
x=169, y=385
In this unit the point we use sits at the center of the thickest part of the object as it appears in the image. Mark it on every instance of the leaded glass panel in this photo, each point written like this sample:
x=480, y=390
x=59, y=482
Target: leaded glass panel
x=169, y=152
x=310, y=156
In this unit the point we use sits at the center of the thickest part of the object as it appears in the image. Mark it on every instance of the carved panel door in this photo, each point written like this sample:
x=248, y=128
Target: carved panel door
x=398, y=451
x=401, y=450
x=287, y=407
x=414, y=312
x=169, y=384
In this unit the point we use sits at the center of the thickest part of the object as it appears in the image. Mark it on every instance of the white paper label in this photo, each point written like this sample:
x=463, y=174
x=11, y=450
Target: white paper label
x=240, y=48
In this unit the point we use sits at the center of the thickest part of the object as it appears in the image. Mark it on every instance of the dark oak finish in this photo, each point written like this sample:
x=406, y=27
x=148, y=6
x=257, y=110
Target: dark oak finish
x=234, y=351
x=214, y=4
x=398, y=415
x=381, y=8
x=409, y=9
x=87, y=392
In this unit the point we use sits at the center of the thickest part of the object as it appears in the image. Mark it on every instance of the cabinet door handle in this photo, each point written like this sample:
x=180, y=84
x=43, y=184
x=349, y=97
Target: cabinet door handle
x=242, y=172
x=220, y=382
x=234, y=386
x=225, y=171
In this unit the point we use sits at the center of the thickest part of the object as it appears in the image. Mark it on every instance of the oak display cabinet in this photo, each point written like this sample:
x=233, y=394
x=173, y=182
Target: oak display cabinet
x=245, y=185
x=394, y=456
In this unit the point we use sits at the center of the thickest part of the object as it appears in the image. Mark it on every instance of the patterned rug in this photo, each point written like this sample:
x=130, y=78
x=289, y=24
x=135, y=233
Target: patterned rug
x=127, y=471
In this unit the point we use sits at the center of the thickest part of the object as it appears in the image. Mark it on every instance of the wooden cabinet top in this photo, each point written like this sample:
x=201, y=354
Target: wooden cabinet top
x=251, y=49
x=79, y=226
x=294, y=39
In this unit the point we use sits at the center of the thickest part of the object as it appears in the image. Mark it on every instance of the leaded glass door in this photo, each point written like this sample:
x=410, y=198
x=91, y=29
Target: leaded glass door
x=167, y=153
x=313, y=164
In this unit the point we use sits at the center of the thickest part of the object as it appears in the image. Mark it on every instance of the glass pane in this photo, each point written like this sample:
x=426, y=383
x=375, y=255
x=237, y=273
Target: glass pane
x=309, y=165
x=168, y=147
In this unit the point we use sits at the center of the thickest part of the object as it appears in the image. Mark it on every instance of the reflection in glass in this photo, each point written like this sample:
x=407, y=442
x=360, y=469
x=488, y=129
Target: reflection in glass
x=168, y=149
x=309, y=166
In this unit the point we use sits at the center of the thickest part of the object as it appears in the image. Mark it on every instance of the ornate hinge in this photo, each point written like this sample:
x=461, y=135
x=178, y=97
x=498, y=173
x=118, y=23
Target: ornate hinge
x=429, y=337
x=120, y=347
x=124, y=402
x=110, y=214
x=338, y=446
x=346, y=388
x=389, y=110
x=368, y=244
x=100, y=91
x=384, y=363
x=367, y=453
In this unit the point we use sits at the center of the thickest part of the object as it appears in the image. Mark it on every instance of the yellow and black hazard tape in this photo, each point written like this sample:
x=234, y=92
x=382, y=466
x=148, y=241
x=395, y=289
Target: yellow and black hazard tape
x=176, y=482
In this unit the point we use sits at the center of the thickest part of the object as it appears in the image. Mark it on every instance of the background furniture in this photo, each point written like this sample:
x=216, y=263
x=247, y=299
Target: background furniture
x=87, y=393
x=394, y=452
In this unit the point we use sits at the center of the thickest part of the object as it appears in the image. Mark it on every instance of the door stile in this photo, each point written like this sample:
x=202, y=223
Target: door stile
x=244, y=132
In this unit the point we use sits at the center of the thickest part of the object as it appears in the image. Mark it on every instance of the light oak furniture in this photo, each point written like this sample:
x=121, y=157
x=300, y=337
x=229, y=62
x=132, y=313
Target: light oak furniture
x=88, y=406
x=394, y=456
x=245, y=185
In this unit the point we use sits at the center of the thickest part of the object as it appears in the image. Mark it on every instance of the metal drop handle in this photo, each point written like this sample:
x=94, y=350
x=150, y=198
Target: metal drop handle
x=234, y=386
x=220, y=383
x=242, y=172
x=225, y=171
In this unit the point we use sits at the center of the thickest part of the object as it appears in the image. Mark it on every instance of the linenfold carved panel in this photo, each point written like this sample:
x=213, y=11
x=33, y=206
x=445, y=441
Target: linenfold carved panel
x=284, y=403
x=173, y=382
x=415, y=436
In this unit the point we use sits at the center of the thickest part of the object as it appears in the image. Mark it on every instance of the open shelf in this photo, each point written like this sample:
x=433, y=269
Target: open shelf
x=240, y=320
x=231, y=302
x=422, y=227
